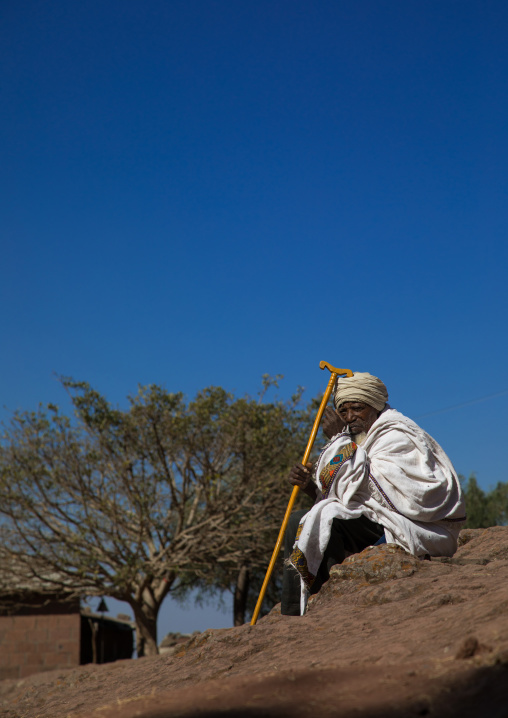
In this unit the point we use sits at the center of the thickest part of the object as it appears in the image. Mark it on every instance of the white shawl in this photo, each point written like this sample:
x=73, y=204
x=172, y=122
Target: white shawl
x=400, y=478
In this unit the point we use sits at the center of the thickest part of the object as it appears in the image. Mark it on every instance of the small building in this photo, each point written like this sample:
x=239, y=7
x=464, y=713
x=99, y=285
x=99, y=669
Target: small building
x=43, y=632
x=104, y=639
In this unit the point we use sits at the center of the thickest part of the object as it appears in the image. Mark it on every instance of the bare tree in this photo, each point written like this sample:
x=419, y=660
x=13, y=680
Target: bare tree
x=157, y=498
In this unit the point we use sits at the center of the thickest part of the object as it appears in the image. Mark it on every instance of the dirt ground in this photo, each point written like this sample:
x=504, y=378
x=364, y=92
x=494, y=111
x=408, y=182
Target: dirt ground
x=388, y=635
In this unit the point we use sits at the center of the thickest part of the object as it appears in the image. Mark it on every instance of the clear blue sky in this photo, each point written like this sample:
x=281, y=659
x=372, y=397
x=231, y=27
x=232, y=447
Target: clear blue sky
x=196, y=193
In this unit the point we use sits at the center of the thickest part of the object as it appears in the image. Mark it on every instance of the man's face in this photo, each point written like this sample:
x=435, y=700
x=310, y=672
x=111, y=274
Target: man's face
x=358, y=415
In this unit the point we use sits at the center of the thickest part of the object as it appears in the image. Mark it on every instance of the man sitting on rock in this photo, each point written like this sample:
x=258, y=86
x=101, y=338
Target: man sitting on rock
x=380, y=477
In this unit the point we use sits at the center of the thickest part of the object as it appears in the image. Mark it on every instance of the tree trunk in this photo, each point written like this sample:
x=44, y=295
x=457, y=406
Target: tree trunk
x=146, y=607
x=240, y=599
x=146, y=630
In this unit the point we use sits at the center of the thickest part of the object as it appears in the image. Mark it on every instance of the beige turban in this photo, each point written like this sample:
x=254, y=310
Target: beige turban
x=361, y=387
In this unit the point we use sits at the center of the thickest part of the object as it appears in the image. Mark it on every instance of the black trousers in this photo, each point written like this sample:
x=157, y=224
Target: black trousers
x=347, y=535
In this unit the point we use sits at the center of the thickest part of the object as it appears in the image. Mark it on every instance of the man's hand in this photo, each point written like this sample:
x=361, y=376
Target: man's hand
x=331, y=423
x=301, y=476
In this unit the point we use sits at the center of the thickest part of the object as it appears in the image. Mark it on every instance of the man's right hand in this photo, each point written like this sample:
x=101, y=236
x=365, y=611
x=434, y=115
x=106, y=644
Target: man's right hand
x=331, y=423
x=301, y=476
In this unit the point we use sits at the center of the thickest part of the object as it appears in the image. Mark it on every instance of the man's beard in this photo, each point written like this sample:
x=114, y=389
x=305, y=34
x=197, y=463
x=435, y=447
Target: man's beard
x=360, y=438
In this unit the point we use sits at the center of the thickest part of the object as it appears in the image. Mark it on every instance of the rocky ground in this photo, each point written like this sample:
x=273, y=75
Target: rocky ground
x=389, y=635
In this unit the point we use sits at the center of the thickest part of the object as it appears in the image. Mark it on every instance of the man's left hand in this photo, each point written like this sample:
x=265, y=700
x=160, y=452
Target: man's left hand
x=301, y=476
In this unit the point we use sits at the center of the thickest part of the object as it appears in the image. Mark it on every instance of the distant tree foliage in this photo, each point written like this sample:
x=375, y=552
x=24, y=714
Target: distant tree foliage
x=164, y=496
x=485, y=509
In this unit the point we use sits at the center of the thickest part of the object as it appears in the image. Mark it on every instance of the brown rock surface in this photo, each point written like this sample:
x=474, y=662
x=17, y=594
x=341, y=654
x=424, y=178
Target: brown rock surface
x=389, y=635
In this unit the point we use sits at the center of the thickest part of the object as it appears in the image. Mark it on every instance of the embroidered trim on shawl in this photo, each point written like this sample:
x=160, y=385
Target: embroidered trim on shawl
x=390, y=503
x=326, y=446
x=298, y=561
x=329, y=472
x=462, y=518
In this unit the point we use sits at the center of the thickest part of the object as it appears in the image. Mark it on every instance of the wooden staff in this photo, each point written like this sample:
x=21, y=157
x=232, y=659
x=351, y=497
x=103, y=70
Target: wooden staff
x=333, y=377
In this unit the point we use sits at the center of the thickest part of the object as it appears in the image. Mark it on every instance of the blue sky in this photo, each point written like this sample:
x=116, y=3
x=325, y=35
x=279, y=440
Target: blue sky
x=197, y=193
